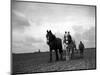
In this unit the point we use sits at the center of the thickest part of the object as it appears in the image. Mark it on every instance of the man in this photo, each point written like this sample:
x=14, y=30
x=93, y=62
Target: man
x=81, y=48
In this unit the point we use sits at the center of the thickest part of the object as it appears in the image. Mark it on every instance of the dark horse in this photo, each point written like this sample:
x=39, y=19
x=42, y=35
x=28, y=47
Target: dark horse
x=54, y=44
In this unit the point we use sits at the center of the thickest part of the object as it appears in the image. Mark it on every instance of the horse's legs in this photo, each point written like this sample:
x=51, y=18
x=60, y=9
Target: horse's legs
x=56, y=55
x=61, y=53
x=67, y=53
x=72, y=54
x=82, y=53
x=50, y=55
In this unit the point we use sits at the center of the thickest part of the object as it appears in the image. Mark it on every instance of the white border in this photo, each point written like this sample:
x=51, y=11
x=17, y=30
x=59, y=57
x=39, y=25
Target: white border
x=5, y=37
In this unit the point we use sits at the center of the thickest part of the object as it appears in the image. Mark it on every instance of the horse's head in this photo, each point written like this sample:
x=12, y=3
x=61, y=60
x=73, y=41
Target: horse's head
x=50, y=37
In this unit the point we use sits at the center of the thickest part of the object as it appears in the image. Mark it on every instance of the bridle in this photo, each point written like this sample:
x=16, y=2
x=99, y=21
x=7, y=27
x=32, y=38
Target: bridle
x=48, y=38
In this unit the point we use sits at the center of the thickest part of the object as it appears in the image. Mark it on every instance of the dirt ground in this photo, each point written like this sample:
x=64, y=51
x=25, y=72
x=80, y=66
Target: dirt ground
x=38, y=62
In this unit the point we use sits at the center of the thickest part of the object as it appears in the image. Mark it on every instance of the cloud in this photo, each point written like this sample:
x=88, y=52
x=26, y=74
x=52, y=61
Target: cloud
x=31, y=20
x=90, y=35
x=28, y=44
x=78, y=29
x=34, y=40
x=85, y=35
x=19, y=21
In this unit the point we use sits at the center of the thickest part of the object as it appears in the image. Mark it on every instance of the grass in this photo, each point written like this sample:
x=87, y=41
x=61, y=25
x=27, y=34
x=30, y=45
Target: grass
x=38, y=62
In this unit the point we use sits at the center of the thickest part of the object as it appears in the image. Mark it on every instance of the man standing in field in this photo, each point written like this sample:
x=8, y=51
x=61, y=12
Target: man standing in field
x=81, y=48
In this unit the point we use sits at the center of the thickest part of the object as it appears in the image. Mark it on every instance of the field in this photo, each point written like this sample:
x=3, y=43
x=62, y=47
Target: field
x=38, y=62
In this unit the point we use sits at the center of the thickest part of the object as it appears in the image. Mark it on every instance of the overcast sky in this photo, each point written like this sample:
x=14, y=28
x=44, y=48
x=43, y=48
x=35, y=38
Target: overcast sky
x=30, y=22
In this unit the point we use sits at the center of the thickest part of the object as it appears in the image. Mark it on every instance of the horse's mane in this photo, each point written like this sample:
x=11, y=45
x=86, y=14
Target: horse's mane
x=53, y=36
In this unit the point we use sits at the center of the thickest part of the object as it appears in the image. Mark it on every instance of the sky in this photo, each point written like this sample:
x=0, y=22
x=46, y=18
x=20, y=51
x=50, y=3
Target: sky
x=30, y=22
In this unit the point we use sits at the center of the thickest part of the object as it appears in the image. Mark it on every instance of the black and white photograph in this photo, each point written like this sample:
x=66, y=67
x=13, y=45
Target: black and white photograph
x=52, y=37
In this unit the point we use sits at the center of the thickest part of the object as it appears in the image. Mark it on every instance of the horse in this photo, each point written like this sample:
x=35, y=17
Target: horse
x=54, y=44
x=70, y=48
